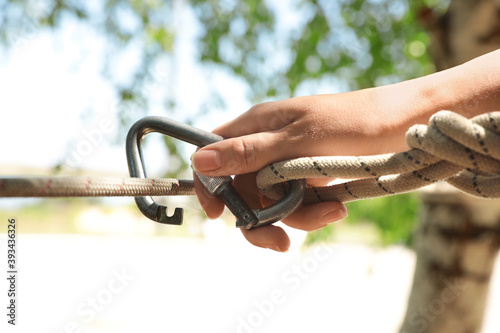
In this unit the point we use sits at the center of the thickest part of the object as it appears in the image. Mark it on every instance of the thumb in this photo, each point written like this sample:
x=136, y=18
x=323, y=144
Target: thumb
x=239, y=155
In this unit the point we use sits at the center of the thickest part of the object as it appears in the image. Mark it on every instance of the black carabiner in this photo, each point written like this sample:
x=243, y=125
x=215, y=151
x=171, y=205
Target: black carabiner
x=219, y=186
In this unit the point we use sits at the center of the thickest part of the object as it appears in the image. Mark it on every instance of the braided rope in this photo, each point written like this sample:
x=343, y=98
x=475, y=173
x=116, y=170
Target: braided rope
x=465, y=153
x=93, y=187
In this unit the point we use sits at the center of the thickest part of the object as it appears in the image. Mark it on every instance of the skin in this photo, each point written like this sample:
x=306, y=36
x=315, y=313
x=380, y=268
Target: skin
x=365, y=122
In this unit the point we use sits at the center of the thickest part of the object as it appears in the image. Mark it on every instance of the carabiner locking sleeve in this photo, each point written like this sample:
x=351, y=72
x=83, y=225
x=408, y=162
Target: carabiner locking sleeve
x=219, y=186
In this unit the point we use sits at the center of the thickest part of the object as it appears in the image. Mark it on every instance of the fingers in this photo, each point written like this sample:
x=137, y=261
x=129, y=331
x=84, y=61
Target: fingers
x=212, y=206
x=241, y=155
x=256, y=138
x=319, y=181
x=314, y=217
x=265, y=117
x=305, y=218
x=268, y=237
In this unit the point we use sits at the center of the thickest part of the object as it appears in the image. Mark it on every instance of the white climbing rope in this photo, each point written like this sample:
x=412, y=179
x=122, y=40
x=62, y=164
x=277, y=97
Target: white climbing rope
x=463, y=152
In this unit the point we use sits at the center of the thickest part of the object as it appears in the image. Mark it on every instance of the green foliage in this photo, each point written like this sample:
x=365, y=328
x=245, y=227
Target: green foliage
x=233, y=37
x=362, y=43
x=395, y=218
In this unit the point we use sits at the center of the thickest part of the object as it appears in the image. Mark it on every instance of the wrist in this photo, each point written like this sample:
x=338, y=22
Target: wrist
x=400, y=106
x=469, y=89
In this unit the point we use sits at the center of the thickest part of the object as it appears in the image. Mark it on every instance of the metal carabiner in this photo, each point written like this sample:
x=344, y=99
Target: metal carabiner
x=219, y=186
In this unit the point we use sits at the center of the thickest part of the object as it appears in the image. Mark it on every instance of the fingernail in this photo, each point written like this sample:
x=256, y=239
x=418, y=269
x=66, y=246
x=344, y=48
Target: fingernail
x=334, y=216
x=206, y=160
x=275, y=248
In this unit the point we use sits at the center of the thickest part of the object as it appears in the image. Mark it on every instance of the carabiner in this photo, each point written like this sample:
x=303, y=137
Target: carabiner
x=219, y=186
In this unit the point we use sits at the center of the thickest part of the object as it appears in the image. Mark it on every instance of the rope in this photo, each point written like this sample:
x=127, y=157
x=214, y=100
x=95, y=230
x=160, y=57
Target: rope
x=93, y=187
x=465, y=153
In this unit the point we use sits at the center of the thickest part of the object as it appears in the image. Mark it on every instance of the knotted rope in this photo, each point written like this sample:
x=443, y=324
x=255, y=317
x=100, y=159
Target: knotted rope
x=465, y=153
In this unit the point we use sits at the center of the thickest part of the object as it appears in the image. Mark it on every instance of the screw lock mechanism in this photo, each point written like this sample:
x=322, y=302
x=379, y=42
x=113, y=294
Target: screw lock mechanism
x=218, y=186
x=223, y=188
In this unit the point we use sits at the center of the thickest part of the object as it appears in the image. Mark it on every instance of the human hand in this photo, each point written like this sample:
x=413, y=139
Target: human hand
x=270, y=132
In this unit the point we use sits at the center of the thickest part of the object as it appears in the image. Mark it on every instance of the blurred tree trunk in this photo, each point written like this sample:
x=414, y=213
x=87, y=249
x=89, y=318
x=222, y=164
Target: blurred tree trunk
x=459, y=236
x=456, y=247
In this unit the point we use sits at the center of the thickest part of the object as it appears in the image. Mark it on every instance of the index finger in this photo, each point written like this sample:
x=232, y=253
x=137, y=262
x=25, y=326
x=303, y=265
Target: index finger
x=263, y=117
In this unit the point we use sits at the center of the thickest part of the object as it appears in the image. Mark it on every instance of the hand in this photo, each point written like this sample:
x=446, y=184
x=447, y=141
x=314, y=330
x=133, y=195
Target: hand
x=306, y=126
x=365, y=122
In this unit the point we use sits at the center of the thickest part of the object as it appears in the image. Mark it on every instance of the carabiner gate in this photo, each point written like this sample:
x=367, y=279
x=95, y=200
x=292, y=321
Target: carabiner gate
x=218, y=186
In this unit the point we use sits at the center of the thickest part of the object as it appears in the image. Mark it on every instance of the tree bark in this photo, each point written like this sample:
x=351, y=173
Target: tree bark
x=459, y=236
x=469, y=28
x=456, y=247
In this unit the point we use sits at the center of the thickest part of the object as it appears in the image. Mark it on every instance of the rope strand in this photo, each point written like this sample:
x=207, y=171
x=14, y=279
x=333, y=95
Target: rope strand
x=93, y=187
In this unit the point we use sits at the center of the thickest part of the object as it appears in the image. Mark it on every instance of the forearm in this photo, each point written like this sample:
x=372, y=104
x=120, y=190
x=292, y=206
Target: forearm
x=469, y=89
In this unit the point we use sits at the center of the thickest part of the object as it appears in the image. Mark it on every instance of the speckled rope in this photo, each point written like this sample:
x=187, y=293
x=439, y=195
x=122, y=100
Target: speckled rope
x=93, y=187
x=465, y=153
